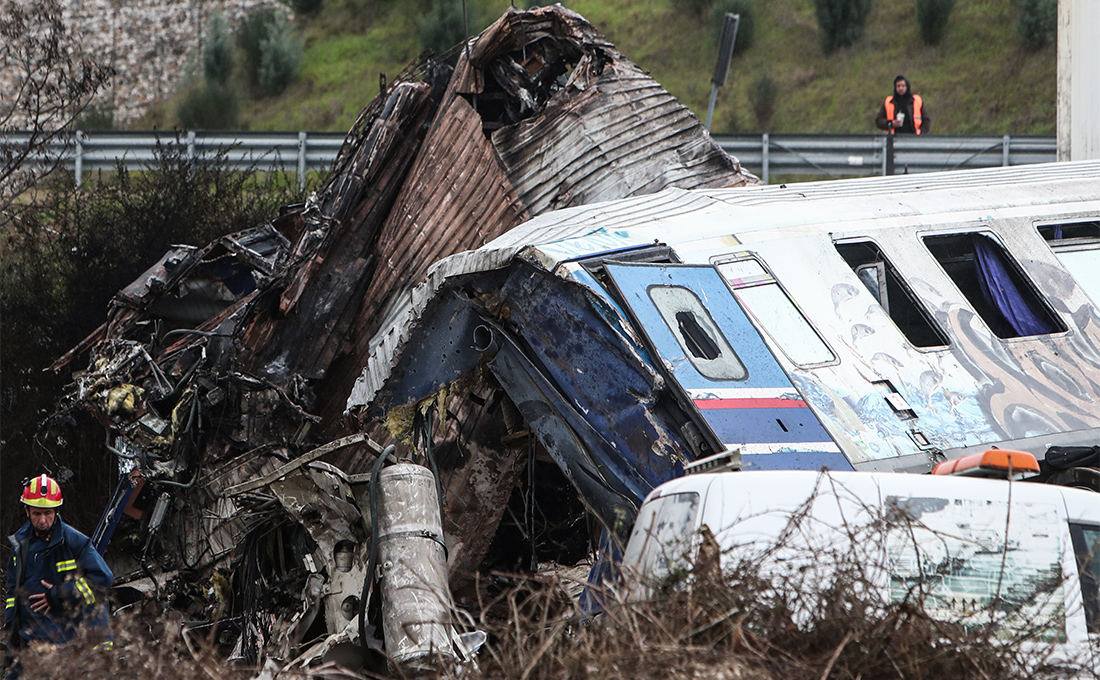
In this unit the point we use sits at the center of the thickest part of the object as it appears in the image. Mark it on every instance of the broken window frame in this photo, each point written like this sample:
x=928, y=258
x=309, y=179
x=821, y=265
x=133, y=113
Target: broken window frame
x=1033, y=300
x=726, y=365
x=1071, y=251
x=925, y=335
x=652, y=254
x=769, y=317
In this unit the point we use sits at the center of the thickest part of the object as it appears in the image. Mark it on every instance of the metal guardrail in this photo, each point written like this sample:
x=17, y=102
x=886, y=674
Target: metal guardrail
x=766, y=155
x=861, y=155
x=298, y=152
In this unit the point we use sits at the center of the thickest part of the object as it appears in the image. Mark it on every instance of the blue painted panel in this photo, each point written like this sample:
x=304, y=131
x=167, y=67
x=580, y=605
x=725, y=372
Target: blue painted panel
x=634, y=282
x=802, y=460
x=740, y=425
x=768, y=424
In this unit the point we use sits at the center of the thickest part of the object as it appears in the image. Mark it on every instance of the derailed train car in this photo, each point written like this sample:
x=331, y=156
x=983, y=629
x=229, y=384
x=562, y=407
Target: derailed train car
x=881, y=324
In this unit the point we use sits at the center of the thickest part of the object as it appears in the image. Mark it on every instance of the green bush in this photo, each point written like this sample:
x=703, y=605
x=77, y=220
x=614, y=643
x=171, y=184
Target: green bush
x=253, y=30
x=932, y=15
x=1037, y=22
x=841, y=22
x=746, y=25
x=443, y=27
x=95, y=117
x=304, y=6
x=696, y=8
x=217, y=53
x=280, y=57
x=209, y=106
x=762, y=95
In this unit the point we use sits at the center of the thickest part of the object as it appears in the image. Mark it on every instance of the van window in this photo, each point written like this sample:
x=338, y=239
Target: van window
x=893, y=294
x=691, y=324
x=667, y=524
x=1086, y=546
x=994, y=285
x=1077, y=247
x=959, y=555
x=759, y=293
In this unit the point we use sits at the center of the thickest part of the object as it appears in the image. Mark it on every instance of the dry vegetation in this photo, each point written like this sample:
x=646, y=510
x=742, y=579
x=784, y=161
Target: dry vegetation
x=707, y=624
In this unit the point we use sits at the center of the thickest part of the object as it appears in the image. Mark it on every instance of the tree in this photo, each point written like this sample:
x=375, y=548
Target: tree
x=841, y=22
x=46, y=82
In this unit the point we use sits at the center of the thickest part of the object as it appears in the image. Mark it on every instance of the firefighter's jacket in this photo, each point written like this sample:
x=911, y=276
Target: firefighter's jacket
x=66, y=559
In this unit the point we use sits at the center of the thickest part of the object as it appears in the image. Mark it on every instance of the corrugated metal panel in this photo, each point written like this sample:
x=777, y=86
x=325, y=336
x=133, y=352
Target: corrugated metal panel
x=588, y=151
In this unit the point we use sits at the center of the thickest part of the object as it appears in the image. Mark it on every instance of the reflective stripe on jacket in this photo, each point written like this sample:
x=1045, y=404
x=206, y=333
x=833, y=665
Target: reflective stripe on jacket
x=918, y=109
x=78, y=575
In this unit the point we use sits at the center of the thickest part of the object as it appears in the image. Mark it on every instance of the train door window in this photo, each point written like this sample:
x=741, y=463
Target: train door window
x=893, y=294
x=1086, y=548
x=994, y=285
x=1077, y=247
x=762, y=297
x=700, y=338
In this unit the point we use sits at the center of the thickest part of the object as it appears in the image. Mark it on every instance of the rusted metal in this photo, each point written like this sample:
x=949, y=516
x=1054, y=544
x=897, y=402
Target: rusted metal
x=222, y=374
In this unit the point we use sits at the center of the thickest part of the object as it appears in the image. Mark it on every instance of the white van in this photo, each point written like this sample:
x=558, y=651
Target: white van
x=1026, y=553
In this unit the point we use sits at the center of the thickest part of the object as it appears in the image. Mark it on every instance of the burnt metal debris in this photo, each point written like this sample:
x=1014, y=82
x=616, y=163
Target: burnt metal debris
x=223, y=374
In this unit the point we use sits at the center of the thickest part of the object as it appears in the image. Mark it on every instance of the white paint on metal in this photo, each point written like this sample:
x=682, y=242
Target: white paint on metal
x=416, y=601
x=1078, y=82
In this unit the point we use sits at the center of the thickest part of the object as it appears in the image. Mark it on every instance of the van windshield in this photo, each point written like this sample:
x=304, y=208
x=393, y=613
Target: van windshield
x=1086, y=546
x=668, y=526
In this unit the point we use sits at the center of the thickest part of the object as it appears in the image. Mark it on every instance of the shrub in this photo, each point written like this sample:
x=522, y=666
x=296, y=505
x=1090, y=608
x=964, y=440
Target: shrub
x=280, y=57
x=210, y=106
x=217, y=53
x=762, y=95
x=746, y=26
x=304, y=6
x=95, y=117
x=932, y=15
x=444, y=26
x=1037, y=22
x=251, y=33
x=696, y=8
x=841, y=22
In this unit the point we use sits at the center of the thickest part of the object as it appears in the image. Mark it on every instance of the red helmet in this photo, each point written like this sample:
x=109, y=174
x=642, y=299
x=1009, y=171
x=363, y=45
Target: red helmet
x=42, y=492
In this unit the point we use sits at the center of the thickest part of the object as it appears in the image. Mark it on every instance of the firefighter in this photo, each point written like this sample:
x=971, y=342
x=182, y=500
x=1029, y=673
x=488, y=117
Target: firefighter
x=57, y=582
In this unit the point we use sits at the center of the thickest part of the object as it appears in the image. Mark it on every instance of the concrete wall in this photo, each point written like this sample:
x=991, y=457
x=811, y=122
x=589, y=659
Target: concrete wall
x=149, y=42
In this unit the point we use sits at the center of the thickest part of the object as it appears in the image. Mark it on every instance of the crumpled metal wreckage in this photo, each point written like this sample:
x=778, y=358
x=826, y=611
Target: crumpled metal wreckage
x=222, y=375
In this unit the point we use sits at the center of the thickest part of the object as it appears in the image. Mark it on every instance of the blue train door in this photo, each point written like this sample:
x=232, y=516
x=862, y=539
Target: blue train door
x=708, y=346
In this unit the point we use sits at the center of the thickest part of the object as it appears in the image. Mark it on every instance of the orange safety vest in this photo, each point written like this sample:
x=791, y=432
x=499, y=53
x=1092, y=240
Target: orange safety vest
x=918, y=106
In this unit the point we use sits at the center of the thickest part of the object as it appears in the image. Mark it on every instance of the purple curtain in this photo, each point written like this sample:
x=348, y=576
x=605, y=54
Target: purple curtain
x=1001, y=292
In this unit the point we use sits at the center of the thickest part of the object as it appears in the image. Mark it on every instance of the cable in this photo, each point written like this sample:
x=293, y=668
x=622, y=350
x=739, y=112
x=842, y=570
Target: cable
x=372, y=562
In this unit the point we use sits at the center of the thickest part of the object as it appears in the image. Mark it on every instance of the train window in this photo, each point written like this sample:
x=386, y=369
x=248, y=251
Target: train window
x=700, y=338
x=994, y=285
x=760, y=295
x=1077, y=247
x=893, y=294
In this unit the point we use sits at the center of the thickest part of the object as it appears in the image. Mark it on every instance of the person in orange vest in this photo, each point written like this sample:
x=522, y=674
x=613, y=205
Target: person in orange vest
x=903, y=111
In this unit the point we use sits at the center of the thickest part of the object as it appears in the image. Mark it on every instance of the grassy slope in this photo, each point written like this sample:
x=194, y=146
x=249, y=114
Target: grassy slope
x=976, y=81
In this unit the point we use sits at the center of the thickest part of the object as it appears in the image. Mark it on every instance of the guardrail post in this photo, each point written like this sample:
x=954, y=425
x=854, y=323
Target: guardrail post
x=302, y=162
x=1004, y=150
x=190, y=145
x=889, y=168
x=765, y=145
x=79, y=158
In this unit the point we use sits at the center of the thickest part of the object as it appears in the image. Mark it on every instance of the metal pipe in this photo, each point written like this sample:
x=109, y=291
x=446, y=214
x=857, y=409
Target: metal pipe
x=416, y=597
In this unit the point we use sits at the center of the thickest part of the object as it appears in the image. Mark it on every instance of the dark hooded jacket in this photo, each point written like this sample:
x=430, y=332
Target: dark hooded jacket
x=913, y=106
x=80, y=578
